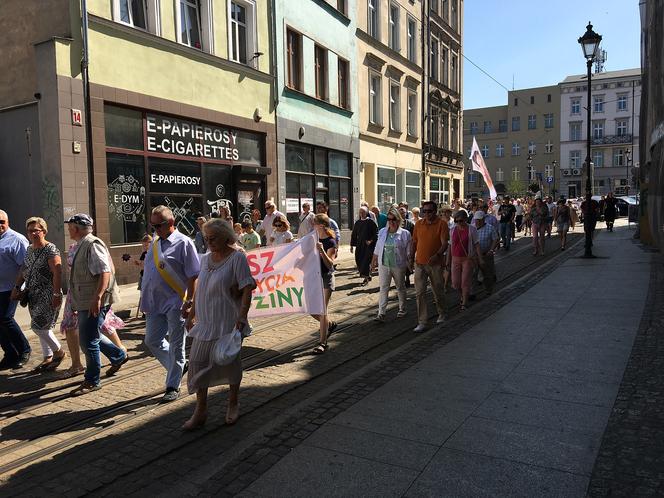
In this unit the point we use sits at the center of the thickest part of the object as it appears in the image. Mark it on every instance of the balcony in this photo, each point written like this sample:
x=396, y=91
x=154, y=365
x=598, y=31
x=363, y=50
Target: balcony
x=613, y=139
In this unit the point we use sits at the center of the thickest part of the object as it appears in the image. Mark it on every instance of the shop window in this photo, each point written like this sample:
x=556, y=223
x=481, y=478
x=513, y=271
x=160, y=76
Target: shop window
x=123, y=128
x=320, y=160
x=125, y=175
x=439, y=190
x=185, y=209
x=387, y=188
x=242, y=31
x=413, y=197
x=339, y=163
x=173, y=176
x=217, y=188
x=299, y=158
x=250, y=148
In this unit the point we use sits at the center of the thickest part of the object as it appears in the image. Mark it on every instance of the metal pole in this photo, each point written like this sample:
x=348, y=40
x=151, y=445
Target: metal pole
x=85, y=63
x=589, y=215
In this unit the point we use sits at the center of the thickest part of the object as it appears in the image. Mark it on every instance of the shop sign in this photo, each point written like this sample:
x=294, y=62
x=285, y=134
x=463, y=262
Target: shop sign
x=182, y=178
x=292, y=205
x=126, y=198
x=186, y=138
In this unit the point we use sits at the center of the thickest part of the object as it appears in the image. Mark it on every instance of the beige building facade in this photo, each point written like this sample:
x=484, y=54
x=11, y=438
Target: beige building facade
x=389, y=44
x=528, y=126
x=443, y=103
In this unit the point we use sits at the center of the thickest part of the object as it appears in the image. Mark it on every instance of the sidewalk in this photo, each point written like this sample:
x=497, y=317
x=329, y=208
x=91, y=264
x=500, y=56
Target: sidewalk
x=501, y=410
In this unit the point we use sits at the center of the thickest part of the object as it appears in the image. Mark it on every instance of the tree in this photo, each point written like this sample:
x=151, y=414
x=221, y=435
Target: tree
x=516, y=188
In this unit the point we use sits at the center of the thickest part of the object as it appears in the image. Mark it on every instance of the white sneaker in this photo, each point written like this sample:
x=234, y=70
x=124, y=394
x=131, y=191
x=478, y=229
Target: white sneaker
x=441, y=319
x=420, y=328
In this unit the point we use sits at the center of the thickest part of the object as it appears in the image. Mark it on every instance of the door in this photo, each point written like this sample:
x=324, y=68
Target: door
x=249, y=195
x=571, y=191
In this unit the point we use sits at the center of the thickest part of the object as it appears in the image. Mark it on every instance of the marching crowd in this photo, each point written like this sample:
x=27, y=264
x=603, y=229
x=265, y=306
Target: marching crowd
x=202, y=288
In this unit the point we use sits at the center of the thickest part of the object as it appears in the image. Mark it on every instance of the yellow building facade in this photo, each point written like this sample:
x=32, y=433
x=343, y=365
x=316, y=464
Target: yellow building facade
x=390, y=93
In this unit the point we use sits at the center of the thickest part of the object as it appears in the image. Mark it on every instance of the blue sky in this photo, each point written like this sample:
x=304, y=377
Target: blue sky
x=535, y=41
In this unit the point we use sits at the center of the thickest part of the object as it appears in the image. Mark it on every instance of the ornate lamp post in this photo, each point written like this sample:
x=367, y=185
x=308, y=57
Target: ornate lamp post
x=552, y=190
x=628, y=158
x=590, y=44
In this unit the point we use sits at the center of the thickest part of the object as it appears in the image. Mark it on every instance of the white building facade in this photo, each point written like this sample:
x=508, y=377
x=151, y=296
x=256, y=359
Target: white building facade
x=615, y=104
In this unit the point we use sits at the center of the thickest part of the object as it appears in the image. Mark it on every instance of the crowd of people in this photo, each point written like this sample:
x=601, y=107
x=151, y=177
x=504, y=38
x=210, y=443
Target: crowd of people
x=202, y=287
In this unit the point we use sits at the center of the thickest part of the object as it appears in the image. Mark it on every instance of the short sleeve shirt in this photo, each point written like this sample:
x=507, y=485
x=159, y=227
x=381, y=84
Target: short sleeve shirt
x=13, y=247
x=427, y=236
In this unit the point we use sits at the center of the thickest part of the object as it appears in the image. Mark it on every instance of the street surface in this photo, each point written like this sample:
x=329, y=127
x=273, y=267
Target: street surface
x=509, y=398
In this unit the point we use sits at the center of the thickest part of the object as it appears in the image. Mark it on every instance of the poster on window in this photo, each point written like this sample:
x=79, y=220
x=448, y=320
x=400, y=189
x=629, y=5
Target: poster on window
x=288, y=279
x=292, y=205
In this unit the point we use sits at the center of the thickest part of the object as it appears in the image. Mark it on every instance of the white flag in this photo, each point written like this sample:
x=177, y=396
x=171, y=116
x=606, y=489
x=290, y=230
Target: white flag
x=480, y=166
x=288, y=279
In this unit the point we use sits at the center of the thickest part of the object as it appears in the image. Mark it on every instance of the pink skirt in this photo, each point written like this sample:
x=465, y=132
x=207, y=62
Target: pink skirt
x=112, y=322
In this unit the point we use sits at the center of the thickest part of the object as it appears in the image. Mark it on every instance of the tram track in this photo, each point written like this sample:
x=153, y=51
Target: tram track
x=143, y=405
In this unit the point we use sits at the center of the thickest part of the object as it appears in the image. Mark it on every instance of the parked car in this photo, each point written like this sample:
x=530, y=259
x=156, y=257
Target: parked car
x=624, y=202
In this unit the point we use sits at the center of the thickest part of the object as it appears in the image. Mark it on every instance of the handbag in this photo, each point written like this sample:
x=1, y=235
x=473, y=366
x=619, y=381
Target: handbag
x=227, y=347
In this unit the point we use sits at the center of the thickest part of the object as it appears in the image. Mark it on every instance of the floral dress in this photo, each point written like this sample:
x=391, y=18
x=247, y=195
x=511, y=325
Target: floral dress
x=39, y=282
x=112, y=322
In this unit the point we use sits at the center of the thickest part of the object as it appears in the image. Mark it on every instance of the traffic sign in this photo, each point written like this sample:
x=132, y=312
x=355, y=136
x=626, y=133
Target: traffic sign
x=549, y=179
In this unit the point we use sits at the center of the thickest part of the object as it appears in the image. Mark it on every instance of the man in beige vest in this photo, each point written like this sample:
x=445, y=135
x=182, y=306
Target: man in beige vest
x=93, y=290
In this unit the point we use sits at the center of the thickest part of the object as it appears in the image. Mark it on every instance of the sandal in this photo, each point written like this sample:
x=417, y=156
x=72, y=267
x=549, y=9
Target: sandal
x=72, y=372
x=55, y=362
x=42, y=367
x=331, y=328
x=320, y=349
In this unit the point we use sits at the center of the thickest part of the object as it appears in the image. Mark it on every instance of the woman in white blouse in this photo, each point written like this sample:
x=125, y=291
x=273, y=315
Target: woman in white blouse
x=221, y=302
x=391, y=256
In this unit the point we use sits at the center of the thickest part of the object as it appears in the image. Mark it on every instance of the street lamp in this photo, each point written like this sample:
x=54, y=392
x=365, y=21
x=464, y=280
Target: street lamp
x=590, y=44
x=552, y=188
x=628, y=158
x=531, y=176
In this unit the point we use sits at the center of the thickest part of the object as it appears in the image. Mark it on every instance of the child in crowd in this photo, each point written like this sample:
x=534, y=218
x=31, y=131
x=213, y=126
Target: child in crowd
x=238, y=231
x=281, y=233
x=250, y=238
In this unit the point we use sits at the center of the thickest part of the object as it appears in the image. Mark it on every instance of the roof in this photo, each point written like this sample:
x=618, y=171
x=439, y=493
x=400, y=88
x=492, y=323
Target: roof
x=607, y=75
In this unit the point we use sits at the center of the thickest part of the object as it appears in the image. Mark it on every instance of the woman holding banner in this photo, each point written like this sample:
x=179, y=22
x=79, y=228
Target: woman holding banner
x=327, y=250
x=221, y=302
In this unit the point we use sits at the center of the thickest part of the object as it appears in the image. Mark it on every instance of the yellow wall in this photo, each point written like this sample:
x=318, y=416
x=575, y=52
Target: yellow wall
x=384, y=155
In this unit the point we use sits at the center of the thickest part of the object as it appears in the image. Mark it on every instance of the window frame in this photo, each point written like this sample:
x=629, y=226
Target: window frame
x=532, y=121
x=117, y=13
x=393, y=27
x=532, y=147
x=622, y=98
x=434, y=54
x=412, y=38
x=485, y=151
x=502, y=126
x=375, y=98
x=379, y=184
x=500, y=175
x=575, y=106
x=291, y=56
x=516, y=149
x=622, y=127
x=516, y=173
x=598, y=129
x=395, y=106
x=343, y=83
x=251, y=47
x=487, y=126
x=373, y=18
x=500, y=150
x=598, y=104
x=412, y=111
x=548, y=121
x=598, y=153
x=575, y=159
x=575, y=127
x=321, y=72
x=206, y=33
x=516, y=123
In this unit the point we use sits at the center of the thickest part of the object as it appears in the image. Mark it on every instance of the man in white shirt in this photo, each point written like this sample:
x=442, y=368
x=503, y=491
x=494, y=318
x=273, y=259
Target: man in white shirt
x=552, y=213
x=306, y=221
x=270, y=214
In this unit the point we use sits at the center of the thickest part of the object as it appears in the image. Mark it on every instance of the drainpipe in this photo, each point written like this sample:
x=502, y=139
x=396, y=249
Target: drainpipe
x=85, y=62
x=426, y=116
x=272, y=6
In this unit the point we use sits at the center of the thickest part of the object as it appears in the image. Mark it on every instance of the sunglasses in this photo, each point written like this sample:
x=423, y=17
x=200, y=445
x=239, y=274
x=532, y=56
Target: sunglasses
x=160, y=224
x=391, y=219
x=35, y=230
x=278, y=225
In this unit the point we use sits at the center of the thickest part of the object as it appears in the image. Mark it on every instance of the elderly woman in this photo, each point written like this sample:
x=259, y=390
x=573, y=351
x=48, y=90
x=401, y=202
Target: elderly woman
x=391, y=256
x=221, y=302
x=539, y=214
x=42, y=273
x=464, y=246
x=363, y=239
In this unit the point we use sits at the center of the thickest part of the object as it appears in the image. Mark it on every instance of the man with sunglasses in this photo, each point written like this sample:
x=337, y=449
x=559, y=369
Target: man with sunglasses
x=13, y=247
x=429, y=243
x=171, y=268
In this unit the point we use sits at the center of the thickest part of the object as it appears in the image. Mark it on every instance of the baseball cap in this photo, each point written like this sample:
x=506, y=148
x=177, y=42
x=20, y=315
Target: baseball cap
x=479, y=215
x=81, y=219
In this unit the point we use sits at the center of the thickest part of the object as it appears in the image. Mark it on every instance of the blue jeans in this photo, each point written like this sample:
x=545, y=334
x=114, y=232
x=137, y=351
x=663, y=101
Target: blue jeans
x=92, y=341
x=12, y=339
x=506, y=234
x=169, y=353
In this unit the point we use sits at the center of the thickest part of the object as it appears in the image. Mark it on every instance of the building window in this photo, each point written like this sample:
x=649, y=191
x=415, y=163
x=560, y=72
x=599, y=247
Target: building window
x=598, y=158
x=444, y=66
x=294, y=48
x=434, y=6
x=241, y=32
x=434, y=60
x=454, y=80
x=412, y=113
x=532, y=147
x=598, y=130
x=472, y=177
x=516, y=174
x=453, y=14
x=548, y=120
x=532, y=100
x=190, y=23
x=434, y=125
x=575, y=131
x=375, y=98
x=574, y=158
x=516, y=102
x=548, y=97
x=485, y=151
x=439, y=189
x=500, y=175
x=532, y=122
x=516, y=149
x=502, y=125
x=516, y=123
x=454, y=133
x=395, y=106
x=548, y=147
x=576, y=106
x=412, y=40
x=598, y=103
x=618, y=157
x=473, y=127
x=387, y=187
x=341, y=6
x=320, y=63
x=548, y=170
x=487, y=127
x=444, y=129
x=374, y=15
x=394, y=27
x=413, y=197
x=343, y=83
x=622, y=103
x=500, y=150
x=132, y=12
x=621, y=127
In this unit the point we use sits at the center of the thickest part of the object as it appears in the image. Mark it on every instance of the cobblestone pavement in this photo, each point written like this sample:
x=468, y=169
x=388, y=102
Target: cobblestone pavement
x=119, y=440
x=631, y=456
